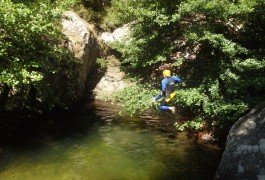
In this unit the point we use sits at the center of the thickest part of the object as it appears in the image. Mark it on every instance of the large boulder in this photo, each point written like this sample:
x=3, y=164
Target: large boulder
x=117, y=35
x=83, y=44
x=244, y=156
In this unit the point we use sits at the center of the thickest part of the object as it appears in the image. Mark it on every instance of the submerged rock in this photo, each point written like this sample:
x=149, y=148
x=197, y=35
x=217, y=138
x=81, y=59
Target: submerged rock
x=244, y=155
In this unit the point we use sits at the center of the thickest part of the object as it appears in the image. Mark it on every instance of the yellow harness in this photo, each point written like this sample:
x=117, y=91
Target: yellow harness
x=171, y=96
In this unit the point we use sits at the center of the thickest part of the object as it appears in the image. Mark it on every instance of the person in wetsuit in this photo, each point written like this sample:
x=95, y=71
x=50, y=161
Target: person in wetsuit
x=168, y=91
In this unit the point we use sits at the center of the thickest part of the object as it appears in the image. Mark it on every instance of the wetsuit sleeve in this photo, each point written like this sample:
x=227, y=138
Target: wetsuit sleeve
x=164, y=85
x=176, y=79
x=158, y=97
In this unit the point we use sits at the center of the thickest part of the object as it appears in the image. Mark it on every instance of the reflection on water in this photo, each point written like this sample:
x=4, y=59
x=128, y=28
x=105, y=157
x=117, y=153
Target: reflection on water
x=101, y=144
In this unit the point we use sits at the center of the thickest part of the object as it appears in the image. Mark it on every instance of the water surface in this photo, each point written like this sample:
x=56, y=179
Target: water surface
x=96, y=142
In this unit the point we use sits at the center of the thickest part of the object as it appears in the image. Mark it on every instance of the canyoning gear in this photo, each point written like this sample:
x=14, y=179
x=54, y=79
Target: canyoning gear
x=166, y=73
x=163, y=107
x=171, y=96
x=167, y=83
x=168, y=91
x=158, y=97
x=168, y=86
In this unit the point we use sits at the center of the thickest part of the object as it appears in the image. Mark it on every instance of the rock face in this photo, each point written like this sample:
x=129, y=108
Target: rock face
x=244, y=156
x=87, y=47
x=117, y=35
x=83, y=44
x=113, y=80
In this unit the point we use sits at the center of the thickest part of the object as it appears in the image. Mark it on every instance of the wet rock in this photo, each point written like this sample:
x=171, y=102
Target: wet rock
x=244, y=155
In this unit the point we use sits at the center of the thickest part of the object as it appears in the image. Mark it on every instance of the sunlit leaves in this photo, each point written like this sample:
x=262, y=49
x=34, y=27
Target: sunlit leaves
x=136, y=98
x=227, y=46
x=216, y=8
x=32, y=76
x=250, y=64
x=227, y=70
x=30, y=51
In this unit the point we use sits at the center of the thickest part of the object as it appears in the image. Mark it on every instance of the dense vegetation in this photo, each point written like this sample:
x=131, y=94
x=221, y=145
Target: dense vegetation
x=33, y=63
x=216, y=47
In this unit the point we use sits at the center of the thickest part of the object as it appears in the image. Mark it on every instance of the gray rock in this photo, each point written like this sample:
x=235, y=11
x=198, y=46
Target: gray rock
x=84, y=45
x=117, y=35
x=244, y=156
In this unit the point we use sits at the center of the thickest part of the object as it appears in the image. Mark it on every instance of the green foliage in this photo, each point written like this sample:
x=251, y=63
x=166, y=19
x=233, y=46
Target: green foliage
x=32, y=60
x=195, y=124
x=148, y=44
x=92, y=11
x=224, y=45
x=136, y=98
x=101, y=62
x=216, y=47
x=97, y=5
x=121, y=12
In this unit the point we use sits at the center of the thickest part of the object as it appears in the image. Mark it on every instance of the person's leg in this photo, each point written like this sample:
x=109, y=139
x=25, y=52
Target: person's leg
x=163, y=106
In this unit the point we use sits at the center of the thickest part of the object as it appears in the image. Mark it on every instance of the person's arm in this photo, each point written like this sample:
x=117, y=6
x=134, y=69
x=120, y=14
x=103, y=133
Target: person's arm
x=164, y=86
x=176, y=79
x=164, y=83
x=158, y=97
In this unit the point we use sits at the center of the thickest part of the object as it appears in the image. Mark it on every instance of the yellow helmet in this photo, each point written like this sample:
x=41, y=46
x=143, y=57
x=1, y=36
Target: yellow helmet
x=166, y=73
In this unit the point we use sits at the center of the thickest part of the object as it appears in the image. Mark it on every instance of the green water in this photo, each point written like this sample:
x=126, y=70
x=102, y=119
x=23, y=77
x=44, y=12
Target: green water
x=98, y=143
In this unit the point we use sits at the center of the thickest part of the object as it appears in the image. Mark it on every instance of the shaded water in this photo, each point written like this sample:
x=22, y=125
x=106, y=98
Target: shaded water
x=97, y=143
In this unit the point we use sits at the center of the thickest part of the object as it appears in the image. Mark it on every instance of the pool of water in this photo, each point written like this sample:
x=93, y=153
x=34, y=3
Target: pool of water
x=96, y=142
